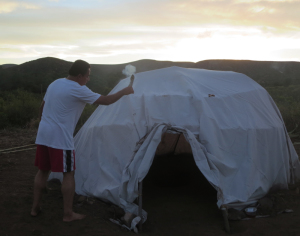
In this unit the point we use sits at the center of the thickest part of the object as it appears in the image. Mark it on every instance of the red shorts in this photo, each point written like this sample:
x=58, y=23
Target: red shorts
x=56, y=160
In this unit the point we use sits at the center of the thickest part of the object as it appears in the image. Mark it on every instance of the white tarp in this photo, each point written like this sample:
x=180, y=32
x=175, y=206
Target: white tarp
x=235, y=130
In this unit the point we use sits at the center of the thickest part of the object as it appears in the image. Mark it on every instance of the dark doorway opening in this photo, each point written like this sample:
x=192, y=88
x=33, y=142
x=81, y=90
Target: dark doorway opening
x=176, y=195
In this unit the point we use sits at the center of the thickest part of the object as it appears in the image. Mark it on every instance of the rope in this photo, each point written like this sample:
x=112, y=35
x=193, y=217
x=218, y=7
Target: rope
x=19, y=150
x=8, y=150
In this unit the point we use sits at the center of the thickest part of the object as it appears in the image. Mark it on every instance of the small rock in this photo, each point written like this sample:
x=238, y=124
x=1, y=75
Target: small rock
x=127, y=218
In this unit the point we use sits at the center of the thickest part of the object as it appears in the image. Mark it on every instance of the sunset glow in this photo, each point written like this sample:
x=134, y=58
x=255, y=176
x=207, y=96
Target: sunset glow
x=118, y=31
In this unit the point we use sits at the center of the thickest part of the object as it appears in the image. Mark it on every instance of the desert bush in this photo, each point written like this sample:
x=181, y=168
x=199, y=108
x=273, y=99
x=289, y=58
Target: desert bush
x=4, y=121
x=287, y=99
x=18, y=107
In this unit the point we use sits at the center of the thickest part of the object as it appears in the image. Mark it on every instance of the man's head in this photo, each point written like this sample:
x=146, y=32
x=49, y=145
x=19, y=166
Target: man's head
x=81, y=71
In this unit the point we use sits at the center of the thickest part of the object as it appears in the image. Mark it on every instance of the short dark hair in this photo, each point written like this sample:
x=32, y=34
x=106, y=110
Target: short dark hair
x=79, y=67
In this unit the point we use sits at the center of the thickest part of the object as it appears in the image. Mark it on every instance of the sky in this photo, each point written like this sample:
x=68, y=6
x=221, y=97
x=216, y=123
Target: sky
x=121, y=31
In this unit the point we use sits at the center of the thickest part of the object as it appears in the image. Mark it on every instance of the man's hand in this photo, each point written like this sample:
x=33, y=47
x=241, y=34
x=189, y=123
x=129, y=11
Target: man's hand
x=131, y=80
x=128, y=90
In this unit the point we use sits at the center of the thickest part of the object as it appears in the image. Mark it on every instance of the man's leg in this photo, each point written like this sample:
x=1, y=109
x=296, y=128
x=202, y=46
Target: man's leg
x=68, y=190
x=39, y=186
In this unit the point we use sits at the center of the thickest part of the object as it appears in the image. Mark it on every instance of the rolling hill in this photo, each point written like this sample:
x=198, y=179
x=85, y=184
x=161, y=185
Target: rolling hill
x=36, y=75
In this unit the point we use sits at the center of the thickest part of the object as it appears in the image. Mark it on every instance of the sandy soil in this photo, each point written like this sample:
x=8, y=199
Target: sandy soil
x=177, y=206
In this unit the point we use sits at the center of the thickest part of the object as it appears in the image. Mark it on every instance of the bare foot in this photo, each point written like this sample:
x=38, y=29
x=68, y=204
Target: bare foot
x=35, y=212
x=73, y=216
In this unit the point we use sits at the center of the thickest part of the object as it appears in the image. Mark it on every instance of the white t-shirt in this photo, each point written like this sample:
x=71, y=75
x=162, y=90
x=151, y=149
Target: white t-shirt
x=64, y=102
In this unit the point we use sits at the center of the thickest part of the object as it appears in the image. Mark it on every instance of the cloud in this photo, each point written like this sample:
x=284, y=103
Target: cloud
x=10, y=6
x=6, y=7
x=278, y=15
x=144, y=28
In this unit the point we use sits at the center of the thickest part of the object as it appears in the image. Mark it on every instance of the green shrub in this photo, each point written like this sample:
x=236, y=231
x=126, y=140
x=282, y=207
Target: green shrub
x=287, y=99
x=18, y=107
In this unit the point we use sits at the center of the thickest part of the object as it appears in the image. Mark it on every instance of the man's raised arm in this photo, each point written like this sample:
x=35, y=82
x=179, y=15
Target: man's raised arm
x=112, y=98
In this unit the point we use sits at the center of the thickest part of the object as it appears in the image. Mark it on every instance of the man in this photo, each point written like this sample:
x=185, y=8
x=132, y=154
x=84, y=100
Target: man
x=61, y=108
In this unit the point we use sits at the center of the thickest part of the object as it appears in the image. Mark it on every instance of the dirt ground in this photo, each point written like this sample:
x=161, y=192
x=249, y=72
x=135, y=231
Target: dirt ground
x=175, y=206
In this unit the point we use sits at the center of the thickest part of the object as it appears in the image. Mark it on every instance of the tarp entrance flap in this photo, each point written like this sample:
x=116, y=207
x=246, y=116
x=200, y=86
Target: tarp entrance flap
x=138, y=168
